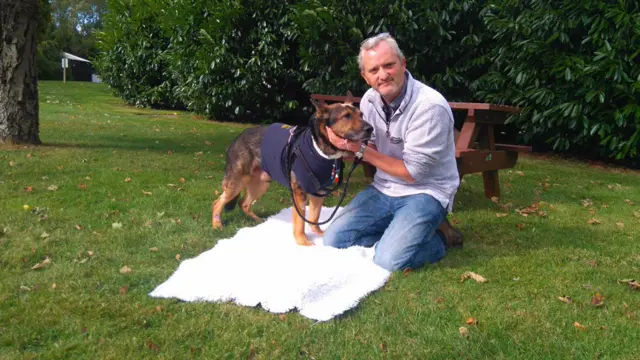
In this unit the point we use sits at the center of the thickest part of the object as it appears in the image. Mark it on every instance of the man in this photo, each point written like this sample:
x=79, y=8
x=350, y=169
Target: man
x=404, y=211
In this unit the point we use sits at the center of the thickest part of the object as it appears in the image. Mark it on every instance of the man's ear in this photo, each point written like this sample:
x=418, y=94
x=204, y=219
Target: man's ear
x=349, y=100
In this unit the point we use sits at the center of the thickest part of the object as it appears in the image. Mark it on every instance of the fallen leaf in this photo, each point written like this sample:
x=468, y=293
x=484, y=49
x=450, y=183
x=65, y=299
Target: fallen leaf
x=29, y=156
x=472, y=275
x=592, y=263
x=159, y=308
x=127, y=180
x=495, y=199
x=172, y=185
x=26, y=207
x=12, y=163
x=87, y=178
x=283, y=317
x=42, y=264
x=198, y=153
x=154, y=249
x=78, y=227
x=44, y=235
x=587, y=202
x=207, y=142
x=407, y=271
x=82, y=186
x=578, y=326
x=28, y=189
x=531, y=209
x=125, y=269
x=629, y=202
x=52, y=188
x=146, y=192
x=501, y=215
x=124, y=289
x=592, y=211
x=116, y=225
x=182, y=180
x=636, y=214
x=620, y=225
x=520, y=227
x=54, y=286
x=439, y=300
x=565, y=299
x=471, y=321
x=633, y=284
x=25, y=288
x=178, y=257
x=542, y=213
x=520, y=173
x=383, y=347
x=152, y=346
x=593, y=222
x=90, y=253
x=597, y=300
x=464, y=332
x=148, y=223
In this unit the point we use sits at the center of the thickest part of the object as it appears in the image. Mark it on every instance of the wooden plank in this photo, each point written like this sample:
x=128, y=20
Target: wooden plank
x=453, y=105
x=485, y=160
x=517, y=148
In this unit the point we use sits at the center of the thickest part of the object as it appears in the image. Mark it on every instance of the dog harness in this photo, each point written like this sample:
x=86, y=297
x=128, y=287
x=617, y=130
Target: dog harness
x=285, y=147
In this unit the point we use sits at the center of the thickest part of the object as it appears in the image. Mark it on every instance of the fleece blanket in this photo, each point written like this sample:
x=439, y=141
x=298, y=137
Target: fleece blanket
x=262, y=265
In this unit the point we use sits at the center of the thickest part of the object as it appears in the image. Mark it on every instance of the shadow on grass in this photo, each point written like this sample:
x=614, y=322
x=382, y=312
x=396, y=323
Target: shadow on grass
x=218, y=144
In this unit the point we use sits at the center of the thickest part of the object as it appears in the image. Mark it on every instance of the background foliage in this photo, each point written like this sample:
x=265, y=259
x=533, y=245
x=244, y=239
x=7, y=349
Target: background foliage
x=573, y=67
x=70, y=26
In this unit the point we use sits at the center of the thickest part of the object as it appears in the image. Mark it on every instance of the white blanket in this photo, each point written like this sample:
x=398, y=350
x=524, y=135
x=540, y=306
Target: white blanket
x=263, y=265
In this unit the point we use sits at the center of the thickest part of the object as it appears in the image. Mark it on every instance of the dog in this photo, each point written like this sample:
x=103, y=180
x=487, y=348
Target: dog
x=260, y=154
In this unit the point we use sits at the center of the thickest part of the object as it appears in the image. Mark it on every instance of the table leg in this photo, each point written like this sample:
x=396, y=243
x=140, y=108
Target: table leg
x=491, y=183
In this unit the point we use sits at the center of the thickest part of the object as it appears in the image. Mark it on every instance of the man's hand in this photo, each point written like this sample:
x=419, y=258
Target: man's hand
x=341, y=143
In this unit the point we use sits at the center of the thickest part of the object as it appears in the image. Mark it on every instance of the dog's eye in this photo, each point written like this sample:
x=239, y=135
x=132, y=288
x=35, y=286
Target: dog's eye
x=347, y=116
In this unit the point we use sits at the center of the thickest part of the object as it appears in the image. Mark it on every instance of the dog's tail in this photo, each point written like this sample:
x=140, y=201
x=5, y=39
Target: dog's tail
x=232, y=203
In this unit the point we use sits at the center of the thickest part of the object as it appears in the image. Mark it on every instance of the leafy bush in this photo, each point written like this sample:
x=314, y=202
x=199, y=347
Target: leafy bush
x=574, y=67
x=133, y=60
x=442, y=40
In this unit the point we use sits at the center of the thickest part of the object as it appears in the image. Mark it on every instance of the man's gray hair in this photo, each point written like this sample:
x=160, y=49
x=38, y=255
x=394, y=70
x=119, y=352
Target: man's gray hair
x=373, y=41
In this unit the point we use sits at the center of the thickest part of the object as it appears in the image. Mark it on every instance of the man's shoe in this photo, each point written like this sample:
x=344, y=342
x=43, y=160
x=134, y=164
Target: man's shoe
x=452, y=237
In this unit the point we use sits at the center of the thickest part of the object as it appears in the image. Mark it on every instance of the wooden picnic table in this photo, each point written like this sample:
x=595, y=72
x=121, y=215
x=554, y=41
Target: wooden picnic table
x=476, y=149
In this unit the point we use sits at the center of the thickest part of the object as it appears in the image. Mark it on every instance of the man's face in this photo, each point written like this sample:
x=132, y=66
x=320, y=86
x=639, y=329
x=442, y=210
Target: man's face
x=384, y=71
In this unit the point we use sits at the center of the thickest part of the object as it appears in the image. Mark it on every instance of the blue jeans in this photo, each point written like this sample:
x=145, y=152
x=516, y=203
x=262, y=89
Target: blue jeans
x=403, y=229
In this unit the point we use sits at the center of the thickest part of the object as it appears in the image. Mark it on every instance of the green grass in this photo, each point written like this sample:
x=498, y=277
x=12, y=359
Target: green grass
x=93, y=142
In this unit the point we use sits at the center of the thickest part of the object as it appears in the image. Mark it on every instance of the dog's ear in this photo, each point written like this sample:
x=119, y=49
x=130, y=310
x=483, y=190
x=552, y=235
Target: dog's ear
x=319, y=105
x=349, y=100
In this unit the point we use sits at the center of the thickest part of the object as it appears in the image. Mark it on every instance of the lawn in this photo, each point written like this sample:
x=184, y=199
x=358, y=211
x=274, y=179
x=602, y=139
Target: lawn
x=115, y=186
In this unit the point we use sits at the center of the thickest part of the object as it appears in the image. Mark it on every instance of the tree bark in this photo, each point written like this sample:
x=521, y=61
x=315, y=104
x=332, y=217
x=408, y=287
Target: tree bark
x=19, y=109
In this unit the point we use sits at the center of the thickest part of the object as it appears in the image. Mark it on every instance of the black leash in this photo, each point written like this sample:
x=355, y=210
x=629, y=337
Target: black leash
x=288, y=164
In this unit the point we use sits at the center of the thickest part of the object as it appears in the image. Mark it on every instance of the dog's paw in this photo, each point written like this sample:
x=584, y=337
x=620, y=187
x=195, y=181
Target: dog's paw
x=304, y=242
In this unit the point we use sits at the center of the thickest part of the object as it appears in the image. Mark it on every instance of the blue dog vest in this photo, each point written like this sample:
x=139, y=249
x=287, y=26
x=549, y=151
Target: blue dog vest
x=314, y=172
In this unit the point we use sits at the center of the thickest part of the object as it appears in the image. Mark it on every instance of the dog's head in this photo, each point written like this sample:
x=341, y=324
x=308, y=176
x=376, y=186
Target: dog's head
x=344, y=119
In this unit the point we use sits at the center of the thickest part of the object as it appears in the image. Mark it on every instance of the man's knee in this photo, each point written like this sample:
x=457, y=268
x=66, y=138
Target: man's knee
x=334, y=238
x=389, y=261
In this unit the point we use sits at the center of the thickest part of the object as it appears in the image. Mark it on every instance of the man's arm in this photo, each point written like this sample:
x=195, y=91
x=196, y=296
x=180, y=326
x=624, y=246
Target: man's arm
x=388, y=164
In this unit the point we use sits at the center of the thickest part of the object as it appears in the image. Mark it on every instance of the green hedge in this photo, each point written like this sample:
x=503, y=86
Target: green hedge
x=575, y=68
x=572, y=66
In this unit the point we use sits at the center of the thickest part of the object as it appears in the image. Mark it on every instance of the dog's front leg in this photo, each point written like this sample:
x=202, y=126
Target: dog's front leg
x=300, y=200
x=315, y=205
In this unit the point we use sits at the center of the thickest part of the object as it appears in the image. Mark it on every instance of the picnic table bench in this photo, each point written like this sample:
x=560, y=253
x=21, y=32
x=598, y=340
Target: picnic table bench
x=476, y=149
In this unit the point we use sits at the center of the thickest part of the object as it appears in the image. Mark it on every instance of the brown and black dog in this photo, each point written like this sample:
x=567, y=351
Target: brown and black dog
x=258, y=155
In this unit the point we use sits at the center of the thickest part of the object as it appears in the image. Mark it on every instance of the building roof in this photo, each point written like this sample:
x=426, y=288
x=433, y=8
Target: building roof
x=73, y=57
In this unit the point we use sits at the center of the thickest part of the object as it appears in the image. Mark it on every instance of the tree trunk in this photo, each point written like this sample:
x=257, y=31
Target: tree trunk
x=19, y=118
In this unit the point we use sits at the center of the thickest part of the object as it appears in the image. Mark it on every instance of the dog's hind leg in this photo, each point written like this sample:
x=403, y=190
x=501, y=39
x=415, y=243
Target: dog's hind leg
x=315, y=205
x=230, y=190
x=255, y=189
